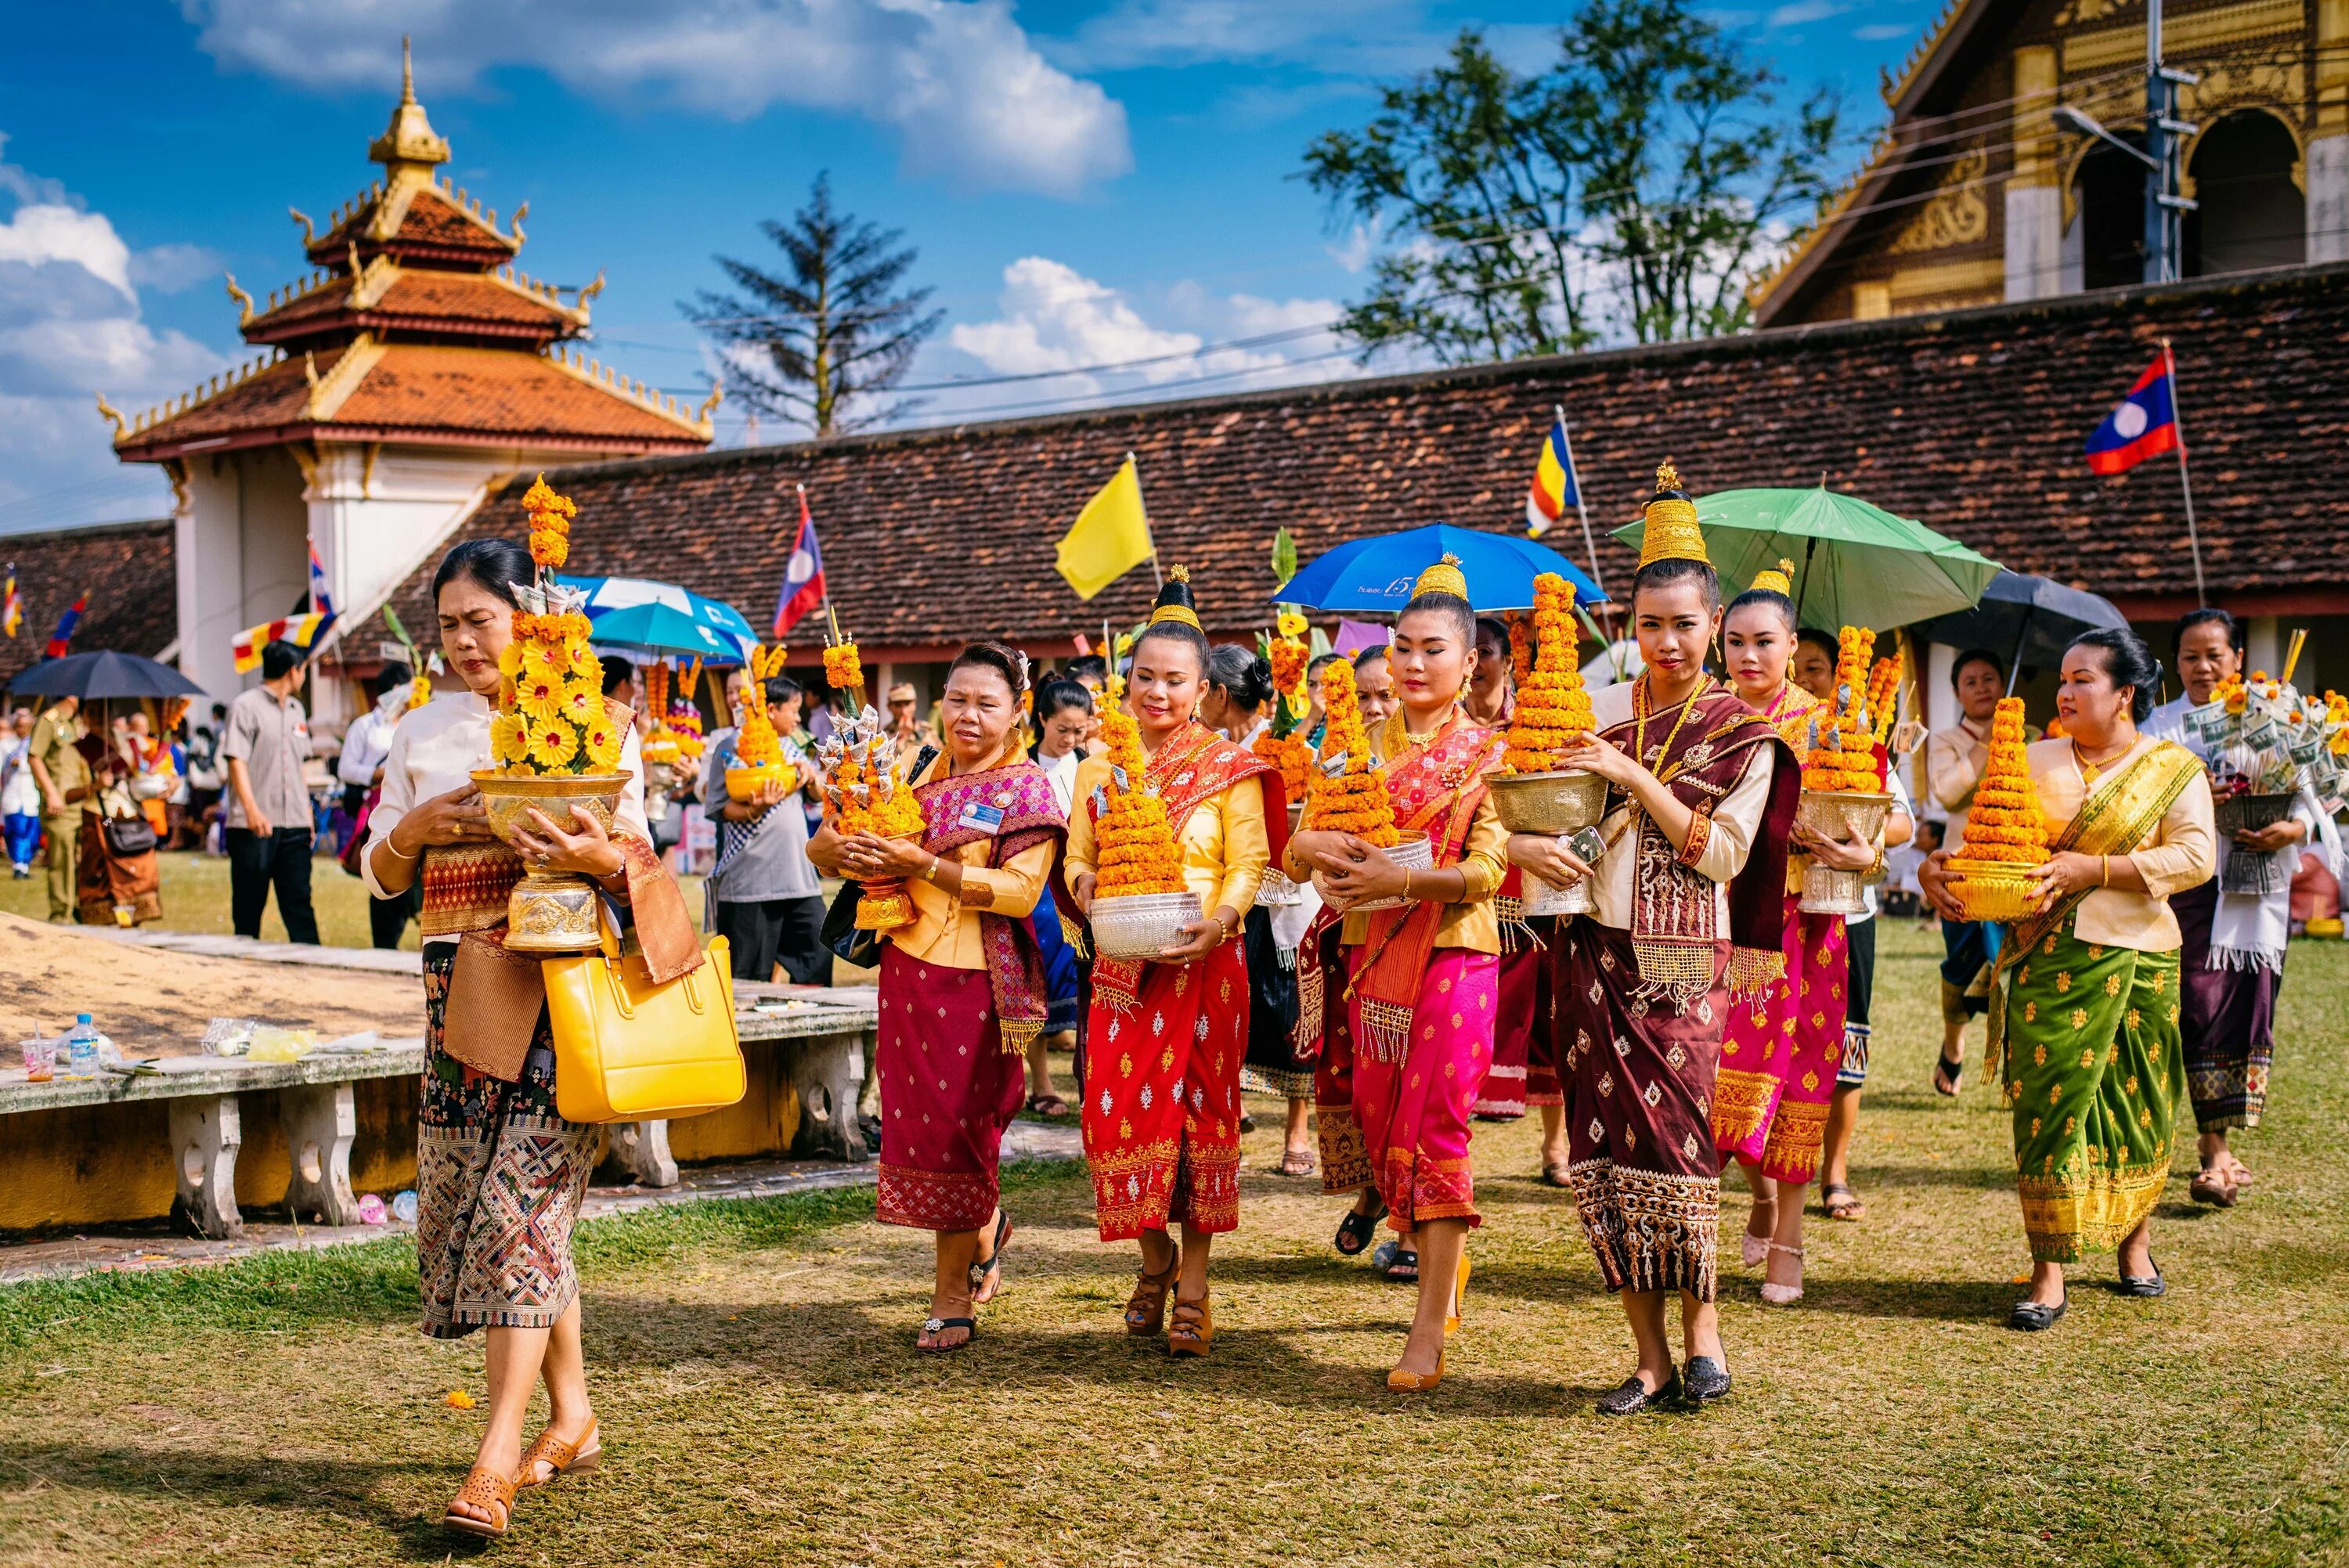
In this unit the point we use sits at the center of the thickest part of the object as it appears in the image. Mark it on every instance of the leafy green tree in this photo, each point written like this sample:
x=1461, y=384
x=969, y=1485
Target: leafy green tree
x=1636, y=187
x=830, y=332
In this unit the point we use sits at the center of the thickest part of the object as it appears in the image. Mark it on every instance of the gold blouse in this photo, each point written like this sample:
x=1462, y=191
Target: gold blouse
x=2182, y=851
x=946, y=926
x=1223, y=843
x=1473, y=923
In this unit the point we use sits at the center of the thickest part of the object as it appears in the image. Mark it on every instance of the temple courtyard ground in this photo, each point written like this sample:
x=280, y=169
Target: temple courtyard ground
x=762, y=1403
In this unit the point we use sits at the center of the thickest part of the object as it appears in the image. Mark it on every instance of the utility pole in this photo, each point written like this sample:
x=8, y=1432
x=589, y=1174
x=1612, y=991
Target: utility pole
x=2165, y=209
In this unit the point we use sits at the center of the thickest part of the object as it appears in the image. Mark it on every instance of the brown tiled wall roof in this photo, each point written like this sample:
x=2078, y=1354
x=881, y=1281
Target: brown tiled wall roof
x=126, y=567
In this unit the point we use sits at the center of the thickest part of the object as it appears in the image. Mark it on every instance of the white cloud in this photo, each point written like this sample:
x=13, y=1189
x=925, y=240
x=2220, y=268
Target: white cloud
x=1063, y=330
x=70, y=328
x=170, y=268
x=1879, y=32
x=964, y=89
x=1801, y=11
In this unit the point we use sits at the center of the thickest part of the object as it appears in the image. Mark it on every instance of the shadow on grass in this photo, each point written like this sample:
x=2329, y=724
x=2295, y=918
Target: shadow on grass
x=341, y=1489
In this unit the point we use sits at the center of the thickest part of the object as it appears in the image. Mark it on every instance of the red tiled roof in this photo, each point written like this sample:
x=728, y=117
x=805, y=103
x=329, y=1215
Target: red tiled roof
x=433, y=225
x=128, y=568
x=420, y=300
x=422, y=392
x=1970, y=421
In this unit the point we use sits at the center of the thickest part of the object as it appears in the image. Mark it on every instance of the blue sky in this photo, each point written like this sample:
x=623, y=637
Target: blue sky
x=1088, y=182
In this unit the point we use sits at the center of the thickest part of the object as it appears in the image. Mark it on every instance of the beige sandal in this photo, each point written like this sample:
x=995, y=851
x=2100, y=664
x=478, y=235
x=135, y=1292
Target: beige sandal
x=565, y=1458
x=1145, y=1309
x=486, y=1490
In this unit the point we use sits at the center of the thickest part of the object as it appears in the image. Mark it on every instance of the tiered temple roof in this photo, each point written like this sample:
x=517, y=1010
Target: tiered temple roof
x=417, y=327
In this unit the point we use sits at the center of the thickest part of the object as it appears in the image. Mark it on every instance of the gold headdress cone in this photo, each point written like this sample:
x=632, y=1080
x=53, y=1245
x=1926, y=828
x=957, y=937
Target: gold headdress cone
x=1671, y=531
x=1174, y=602
x=1779, y=580
x=1443, y=577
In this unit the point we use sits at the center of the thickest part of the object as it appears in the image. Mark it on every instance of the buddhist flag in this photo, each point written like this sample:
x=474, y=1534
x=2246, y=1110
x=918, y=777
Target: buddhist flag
x=1554, y=487
x=1111, y=536
x=802, y=577
x=66, y=625
x=2142, y=425
x=320, y=600
x=301, y=631
x=12, y=605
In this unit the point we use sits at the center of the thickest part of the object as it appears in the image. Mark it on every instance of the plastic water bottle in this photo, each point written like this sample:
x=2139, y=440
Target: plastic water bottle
x=82, y=1048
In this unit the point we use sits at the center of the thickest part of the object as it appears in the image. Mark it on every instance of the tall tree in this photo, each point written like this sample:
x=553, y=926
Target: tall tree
x=1635, y=187
x=817, y=345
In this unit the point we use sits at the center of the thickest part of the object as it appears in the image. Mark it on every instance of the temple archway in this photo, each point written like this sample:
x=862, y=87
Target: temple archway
x=2109, y=189
x=2251, y=213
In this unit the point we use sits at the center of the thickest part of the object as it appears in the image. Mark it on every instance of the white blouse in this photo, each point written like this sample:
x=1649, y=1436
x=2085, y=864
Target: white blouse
x=1736, y=823
x=439, y=747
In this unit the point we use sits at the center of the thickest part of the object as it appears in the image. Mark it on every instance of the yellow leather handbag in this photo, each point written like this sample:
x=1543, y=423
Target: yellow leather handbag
x=628, y=1050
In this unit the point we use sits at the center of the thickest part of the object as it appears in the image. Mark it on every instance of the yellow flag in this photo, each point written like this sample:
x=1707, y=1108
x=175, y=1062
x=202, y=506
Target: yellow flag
x=1111, y=536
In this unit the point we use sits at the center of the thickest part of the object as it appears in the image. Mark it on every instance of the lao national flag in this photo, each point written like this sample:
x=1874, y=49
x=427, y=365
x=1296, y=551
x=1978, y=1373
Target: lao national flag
x=66, y=625
x=803, y=579
x=1554, y=487
x=2142, y=425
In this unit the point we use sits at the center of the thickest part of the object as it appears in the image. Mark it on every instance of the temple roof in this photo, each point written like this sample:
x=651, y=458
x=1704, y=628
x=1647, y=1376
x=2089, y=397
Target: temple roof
x=416, y=219
x=372, y=391
x=389, y=297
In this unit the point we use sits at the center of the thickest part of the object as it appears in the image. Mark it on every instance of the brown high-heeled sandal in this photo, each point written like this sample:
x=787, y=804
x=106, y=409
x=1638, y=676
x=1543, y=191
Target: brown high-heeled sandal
x=1193, y=1330
x=1145, y=1309
x=578, y=1457
x=1402, y=1382
x=486, y=1490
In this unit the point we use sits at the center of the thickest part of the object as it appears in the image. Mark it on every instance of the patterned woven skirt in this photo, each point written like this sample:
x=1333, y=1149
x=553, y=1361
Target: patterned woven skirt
x=1638, y=1100
x=499, y=1178
x=1780, y=1053
x=2228, y=1021
x=1161, y=1111
x=1414, y=1113
x=948, y=1088
x=1524, y=1013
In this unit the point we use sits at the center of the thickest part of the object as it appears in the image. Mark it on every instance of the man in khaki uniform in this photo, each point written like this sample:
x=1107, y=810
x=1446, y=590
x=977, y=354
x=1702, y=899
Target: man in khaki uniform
x=63, y=775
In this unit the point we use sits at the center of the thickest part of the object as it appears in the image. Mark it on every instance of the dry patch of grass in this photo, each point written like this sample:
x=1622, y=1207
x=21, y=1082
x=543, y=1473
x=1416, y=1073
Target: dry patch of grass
x=762, y=1403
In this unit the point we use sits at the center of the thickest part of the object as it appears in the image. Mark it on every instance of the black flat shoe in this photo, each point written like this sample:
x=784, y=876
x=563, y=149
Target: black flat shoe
x=1355, y=1231
x=1705, y=1380
x=2034, y=1317
x=1633, y=1397
x=2150, y=1285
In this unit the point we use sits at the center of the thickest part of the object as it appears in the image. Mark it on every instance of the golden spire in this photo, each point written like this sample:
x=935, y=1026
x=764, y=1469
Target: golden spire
x=409, y=141
x=1780, y=580
x=1443, y=577
x=1672, y=532
x=1179, y=573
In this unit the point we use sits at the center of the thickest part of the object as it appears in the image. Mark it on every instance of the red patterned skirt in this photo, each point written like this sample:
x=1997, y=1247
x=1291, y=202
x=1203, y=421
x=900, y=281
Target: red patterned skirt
x=1161, y=1111
x=1414, y=1113
x=948, y=1088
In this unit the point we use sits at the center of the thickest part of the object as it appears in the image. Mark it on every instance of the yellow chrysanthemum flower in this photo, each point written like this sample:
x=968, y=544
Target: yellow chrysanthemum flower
x=539, y=698
x=581, y=701
x=586, y=666
x=602, y=745
x=509, y=661
x=508, y=739
x=1292, y=624
x=553, y=745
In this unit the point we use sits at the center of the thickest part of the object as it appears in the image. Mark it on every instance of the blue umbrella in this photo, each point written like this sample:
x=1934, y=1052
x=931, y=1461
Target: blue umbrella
x=1376, y=573
x=663, y=618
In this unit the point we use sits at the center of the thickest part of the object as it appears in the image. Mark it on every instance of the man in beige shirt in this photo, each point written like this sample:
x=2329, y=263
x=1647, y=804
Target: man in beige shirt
x=1954, y=758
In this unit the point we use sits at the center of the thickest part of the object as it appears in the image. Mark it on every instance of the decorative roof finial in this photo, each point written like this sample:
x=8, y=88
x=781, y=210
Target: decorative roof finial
x=406, y=73
x=409, y=141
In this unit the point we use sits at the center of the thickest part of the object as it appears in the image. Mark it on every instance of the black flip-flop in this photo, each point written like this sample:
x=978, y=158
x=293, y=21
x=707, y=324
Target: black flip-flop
x=936, y=1325
x=1950, y=1072
x=1403, y=1267
x=994, y=1265
x=1355, y=1231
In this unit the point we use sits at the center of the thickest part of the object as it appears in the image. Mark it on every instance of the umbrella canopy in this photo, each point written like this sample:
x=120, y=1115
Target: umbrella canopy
x=95, y=677
x=1856, y=564
x=652, y=617
x=2023, y=619
x=1376, y=573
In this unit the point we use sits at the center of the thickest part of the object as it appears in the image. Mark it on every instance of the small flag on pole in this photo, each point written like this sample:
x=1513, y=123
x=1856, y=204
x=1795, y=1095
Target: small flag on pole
x=321, y=601
x=12, y=605
x=802, y=588
x=1554, y=487
x=2142, y=425
x=301, y=631
x=1110, y=536
x=66, y=625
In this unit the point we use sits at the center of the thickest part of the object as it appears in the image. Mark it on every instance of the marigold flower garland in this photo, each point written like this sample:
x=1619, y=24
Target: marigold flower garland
x=1521, y=646
x=1354, y=800
x=842, y=670
x=1842, y=754
x=1136, y=852
x=1552, y=707
x=2004, y=823
x=758, y=750
x=1883, y=687
x=551, y=718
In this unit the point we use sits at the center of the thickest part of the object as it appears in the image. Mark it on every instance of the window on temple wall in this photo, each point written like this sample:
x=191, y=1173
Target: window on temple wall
x=2251, y=213
x=2110, y=192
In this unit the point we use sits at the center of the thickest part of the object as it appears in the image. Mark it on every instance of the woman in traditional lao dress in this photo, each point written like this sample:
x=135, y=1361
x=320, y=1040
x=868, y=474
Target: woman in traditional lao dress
x=1424, y=979
x=2085, y=997
x=500, y=1174
x=1164, y=1036
x=2231, y=962
x=962, y=989
x=1691, y=900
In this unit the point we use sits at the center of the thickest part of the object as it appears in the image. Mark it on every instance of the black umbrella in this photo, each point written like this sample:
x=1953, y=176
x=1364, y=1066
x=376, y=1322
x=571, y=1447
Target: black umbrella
x=103, y=674
x=2031, y=619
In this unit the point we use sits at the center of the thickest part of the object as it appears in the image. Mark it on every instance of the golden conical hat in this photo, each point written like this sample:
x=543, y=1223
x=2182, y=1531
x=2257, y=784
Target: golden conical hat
x=1671, y=531
x=1779, y=580
x=1443, y=577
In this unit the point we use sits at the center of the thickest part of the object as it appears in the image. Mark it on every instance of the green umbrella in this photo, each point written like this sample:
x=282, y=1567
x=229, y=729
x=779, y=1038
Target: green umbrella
x=1856, y=564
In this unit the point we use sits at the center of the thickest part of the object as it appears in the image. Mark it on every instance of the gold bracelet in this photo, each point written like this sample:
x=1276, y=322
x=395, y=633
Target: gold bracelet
x=1406, y=882
x=2104, y=871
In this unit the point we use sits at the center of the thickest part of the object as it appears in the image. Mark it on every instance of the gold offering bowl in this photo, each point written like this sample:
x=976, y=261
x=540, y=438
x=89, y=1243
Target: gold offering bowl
x=1992, y=890
x=550, y=911
x=744, y=783
x=1845, y=815
x=1560, y=805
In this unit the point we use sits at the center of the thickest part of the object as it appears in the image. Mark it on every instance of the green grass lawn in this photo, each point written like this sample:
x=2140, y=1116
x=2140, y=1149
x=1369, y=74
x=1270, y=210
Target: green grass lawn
x=761, y=1401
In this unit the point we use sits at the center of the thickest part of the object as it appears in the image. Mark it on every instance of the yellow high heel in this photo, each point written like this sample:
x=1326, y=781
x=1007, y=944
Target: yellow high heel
x=1402, y=1382
x=1459, y=1297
